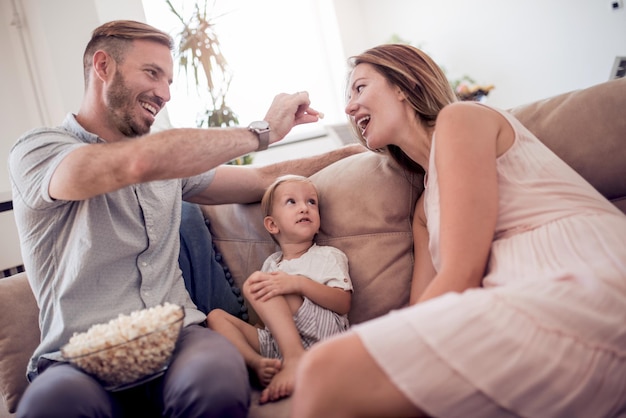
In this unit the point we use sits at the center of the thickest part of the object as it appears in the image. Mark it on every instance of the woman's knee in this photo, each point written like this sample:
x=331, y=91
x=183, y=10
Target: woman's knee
x=329, y=365
x=318, y=363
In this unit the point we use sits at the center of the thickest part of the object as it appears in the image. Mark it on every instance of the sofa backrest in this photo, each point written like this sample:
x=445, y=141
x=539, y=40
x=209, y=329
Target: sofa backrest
x=366, y=204
x=587, y=129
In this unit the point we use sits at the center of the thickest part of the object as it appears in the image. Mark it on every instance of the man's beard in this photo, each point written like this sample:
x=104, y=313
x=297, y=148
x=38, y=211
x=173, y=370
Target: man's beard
x=121, y=109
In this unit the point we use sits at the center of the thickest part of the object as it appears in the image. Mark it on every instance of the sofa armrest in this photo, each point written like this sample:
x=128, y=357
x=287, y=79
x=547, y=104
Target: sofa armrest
x=19, y=336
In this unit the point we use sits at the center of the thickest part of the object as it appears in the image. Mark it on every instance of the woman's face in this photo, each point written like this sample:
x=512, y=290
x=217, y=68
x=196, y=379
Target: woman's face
x=378, y=108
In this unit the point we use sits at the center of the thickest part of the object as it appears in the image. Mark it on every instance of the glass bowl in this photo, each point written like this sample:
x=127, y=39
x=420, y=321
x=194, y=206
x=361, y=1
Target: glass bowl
x=148, y=340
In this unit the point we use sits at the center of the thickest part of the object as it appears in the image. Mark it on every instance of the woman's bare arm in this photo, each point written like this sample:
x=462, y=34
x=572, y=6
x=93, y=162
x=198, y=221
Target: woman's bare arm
x=466, y=150
x=423, y=269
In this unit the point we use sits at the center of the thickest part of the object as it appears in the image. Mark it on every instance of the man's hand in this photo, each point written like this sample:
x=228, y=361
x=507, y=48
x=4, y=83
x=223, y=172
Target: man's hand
x=287, y=111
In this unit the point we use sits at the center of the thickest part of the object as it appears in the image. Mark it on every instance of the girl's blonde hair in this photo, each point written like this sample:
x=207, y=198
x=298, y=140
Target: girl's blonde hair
x=268, y=197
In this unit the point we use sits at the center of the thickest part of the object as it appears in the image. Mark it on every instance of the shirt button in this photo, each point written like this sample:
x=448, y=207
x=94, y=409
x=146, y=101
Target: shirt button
x=144, y=264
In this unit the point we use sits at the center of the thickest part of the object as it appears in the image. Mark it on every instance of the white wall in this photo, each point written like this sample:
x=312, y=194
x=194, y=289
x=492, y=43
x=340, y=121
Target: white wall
x=41, y=42
x=529, y=49
x=41, y=78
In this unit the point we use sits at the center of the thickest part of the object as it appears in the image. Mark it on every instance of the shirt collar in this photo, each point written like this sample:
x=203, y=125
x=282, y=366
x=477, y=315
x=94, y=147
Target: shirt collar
x=71, y=125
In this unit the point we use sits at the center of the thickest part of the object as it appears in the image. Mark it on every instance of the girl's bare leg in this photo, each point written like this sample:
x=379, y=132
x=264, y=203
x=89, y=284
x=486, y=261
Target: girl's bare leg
x=244, y=336
x=338, y=378
x=277, y=314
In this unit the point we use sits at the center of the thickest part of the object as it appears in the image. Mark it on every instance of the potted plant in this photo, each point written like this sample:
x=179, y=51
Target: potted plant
x=199, y=55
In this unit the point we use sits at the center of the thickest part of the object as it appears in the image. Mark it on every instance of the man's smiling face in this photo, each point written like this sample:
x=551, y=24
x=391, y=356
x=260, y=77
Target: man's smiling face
x=140, y=87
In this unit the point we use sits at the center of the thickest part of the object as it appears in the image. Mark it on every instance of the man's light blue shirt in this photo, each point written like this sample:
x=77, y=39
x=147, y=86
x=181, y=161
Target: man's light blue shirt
x=89, y=261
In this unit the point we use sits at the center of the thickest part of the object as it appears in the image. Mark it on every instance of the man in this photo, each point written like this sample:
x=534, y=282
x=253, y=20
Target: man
x=98, y=205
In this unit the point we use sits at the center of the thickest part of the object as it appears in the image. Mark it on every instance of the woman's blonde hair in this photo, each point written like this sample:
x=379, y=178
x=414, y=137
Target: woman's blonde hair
x=421, y=80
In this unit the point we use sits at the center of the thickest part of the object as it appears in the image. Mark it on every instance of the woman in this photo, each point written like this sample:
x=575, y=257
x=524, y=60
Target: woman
x=519, y=285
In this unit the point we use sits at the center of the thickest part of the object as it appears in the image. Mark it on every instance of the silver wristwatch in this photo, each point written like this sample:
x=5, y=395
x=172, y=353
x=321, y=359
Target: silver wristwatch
x=262, y=129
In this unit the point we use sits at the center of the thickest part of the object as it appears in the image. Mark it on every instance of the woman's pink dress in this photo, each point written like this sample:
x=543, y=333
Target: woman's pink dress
x=546, y=335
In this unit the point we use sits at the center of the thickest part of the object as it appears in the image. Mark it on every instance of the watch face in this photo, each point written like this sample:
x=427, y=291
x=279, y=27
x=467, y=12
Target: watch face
x=260, y=124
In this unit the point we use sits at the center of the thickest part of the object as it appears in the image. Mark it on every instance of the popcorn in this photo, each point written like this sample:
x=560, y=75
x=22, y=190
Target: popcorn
x=129, y=347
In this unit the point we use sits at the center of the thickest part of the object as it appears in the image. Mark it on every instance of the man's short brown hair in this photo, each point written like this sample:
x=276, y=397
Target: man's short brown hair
x=116, y=36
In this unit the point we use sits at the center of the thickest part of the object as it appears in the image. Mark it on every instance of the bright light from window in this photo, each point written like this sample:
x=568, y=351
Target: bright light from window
x=272, y=46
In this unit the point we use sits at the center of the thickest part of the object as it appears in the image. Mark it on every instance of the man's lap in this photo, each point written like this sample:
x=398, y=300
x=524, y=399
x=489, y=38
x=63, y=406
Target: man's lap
x=207, y=373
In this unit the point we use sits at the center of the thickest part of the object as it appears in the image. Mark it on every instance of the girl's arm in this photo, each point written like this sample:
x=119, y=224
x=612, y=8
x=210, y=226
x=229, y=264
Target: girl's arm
x=333, y=298
x=468, y=139
x=265, y=286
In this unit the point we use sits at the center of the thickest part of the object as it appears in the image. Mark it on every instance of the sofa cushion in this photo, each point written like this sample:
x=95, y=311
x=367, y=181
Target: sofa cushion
x=19, y=336
x=366, y=204
x=366, y=209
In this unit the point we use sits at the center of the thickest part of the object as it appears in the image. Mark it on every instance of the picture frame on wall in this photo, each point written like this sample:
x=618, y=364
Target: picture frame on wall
x=619, y=68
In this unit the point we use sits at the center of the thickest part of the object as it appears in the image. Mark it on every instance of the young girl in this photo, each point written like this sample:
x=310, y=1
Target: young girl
x=302, y=293
x=519, y=284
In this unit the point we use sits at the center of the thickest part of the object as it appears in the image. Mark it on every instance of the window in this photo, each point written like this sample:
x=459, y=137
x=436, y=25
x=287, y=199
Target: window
x=271, y=46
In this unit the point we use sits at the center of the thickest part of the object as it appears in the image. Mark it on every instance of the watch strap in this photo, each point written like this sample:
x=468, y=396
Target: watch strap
x=262, y=131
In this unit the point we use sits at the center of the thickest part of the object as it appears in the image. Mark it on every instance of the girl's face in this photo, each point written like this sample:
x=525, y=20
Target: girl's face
x=378, y=108
x=295, y=213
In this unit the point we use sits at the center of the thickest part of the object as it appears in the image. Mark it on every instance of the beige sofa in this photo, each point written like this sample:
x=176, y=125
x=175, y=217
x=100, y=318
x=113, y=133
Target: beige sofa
x=367, y=204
